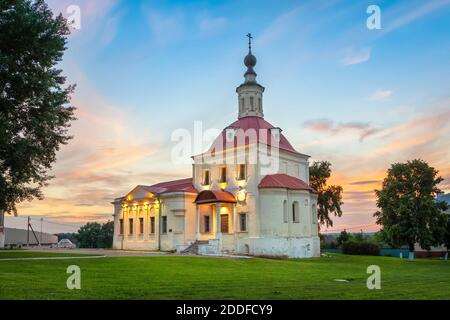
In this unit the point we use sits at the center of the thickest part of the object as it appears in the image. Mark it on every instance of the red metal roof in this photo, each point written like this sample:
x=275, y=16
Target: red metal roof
x=284, y=181
x=256, y=123
x=183, y=185
x=209, y=196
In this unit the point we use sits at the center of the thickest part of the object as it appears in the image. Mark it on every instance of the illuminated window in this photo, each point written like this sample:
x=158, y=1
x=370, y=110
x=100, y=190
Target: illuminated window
x=206, y=178
x=295, y=213
x=243, y=222
x=131, y=226
x=242, y=172
x=121, y=226
x=207, y=222
x=152, y=225
x=164, y=225
x=141, y=225
x=223, y=175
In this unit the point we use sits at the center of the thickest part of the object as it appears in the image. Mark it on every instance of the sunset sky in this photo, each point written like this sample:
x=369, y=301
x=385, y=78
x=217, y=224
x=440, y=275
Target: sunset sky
x=361, y=99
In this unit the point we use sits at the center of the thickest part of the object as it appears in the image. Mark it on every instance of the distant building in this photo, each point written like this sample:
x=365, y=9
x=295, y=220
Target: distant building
x=18, y=237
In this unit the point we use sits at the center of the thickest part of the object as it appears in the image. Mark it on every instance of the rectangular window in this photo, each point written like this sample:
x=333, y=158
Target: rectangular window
x=243, y=222
x=207, y=222
x=223, y=175
x=152, y=225
x=295, y=212
x=242, y=172
x=206, y=178
x=121, y=226
x=164, y=225
x=141, y=225
x=131, y=226
x=224, y=223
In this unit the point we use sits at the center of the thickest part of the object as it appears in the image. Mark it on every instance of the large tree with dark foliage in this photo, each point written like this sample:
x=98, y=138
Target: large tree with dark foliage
x=409, y=212
x=96, y=235
x=330, y=197
x=35, y=111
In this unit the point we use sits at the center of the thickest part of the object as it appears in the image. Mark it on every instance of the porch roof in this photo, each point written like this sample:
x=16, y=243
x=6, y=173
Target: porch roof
x=210, y=196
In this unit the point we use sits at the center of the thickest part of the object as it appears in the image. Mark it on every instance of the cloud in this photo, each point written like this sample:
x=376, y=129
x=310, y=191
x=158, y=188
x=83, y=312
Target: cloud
x=212, y=25
x=381, y=94
x=166, y=28
x=353, y=56
x=365, y=182
x=413, y=13
x=327, y=126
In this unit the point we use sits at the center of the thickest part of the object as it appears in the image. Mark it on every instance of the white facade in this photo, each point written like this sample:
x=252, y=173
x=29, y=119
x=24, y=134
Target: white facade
x=241, y=199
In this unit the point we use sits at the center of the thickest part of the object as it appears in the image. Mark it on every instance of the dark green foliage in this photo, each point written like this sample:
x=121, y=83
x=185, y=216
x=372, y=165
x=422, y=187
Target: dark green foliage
x=343, y=237
x=96, y=235
x=355, y=247
x=330, y=197
x=34, y=102
x=409, y=212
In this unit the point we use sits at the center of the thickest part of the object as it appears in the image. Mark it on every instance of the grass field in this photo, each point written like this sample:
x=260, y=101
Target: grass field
x=175, y=277
x=14, y=254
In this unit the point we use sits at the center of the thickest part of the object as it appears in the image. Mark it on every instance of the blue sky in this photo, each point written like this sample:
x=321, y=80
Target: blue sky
x=359, y=98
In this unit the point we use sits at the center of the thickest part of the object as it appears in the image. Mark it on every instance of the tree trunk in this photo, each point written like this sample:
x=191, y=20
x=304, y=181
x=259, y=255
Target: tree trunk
x=411, y=252
x=2, y=228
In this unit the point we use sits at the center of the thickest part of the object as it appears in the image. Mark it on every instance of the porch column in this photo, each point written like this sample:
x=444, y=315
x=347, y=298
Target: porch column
x=218, y=228
x=197, y=224
x=234, y=218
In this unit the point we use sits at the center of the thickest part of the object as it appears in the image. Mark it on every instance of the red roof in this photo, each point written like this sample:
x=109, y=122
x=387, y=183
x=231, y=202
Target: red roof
x=284, y=181
x=183, y=185
x=209, y=196
x=257, y=124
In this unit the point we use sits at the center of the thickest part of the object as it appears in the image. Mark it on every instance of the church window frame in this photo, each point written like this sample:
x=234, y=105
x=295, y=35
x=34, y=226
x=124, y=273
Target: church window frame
x=206, y=179
x=152, y=225
x=242, y=172
x=295, y=212
x=223, y=175
x=164, y=225
x=243, y=225
x=130, y=226
x=121, y=226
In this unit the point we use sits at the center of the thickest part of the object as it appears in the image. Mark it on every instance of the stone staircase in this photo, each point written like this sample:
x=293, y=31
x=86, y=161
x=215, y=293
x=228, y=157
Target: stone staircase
x=193, y=248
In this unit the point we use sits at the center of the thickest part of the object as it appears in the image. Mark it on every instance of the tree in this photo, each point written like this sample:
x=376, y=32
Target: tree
x=330, y=197
x=409, y=211
x=343, y=237
x=96, y=235
x=34, y=102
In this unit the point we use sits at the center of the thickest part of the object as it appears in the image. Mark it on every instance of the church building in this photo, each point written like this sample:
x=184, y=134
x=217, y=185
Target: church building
x=249, y=194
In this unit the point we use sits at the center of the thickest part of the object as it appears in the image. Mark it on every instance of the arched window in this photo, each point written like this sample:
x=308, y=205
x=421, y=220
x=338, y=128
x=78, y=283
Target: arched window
x=295, y=212
x=285, y=212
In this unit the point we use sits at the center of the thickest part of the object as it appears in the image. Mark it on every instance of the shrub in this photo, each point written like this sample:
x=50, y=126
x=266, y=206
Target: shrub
x=360, y=248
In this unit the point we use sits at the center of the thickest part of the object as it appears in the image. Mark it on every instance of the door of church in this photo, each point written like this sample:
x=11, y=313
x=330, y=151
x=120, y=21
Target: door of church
x=224, y=223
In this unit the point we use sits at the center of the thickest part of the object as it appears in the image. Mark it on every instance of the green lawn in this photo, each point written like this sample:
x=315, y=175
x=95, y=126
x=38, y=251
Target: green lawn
x=175, y=277
x=12, y=254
